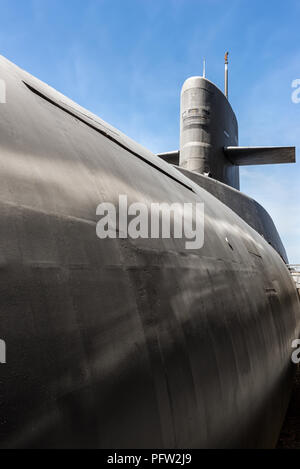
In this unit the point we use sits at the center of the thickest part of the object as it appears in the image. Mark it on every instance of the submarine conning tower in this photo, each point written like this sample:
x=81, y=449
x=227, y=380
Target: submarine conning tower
x=209, y=135
x=207, y=126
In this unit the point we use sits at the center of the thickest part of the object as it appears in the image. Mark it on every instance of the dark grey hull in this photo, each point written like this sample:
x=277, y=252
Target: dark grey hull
x=121, y=343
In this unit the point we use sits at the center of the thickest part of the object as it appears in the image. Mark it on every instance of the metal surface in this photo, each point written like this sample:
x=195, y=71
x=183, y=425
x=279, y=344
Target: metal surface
x=171, y=157
x=209, y=135
x=248, y=156
x=207, y=125
x=248, y=209
x=120, y=343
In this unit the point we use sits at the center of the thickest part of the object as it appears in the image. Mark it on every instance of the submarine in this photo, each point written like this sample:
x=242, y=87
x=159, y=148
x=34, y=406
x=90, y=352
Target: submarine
x=137, y=343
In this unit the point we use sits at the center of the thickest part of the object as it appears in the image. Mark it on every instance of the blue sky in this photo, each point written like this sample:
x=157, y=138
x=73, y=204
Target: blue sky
x=126, y=61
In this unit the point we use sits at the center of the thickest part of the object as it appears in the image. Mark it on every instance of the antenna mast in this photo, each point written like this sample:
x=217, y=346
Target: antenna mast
x=226, y=74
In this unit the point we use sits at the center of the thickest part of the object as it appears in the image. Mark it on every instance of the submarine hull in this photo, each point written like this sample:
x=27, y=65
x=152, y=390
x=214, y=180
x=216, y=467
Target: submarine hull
x=122, y=343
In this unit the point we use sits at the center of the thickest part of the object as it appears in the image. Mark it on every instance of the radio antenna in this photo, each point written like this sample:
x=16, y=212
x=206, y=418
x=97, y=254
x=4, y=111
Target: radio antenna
x=226, y=74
